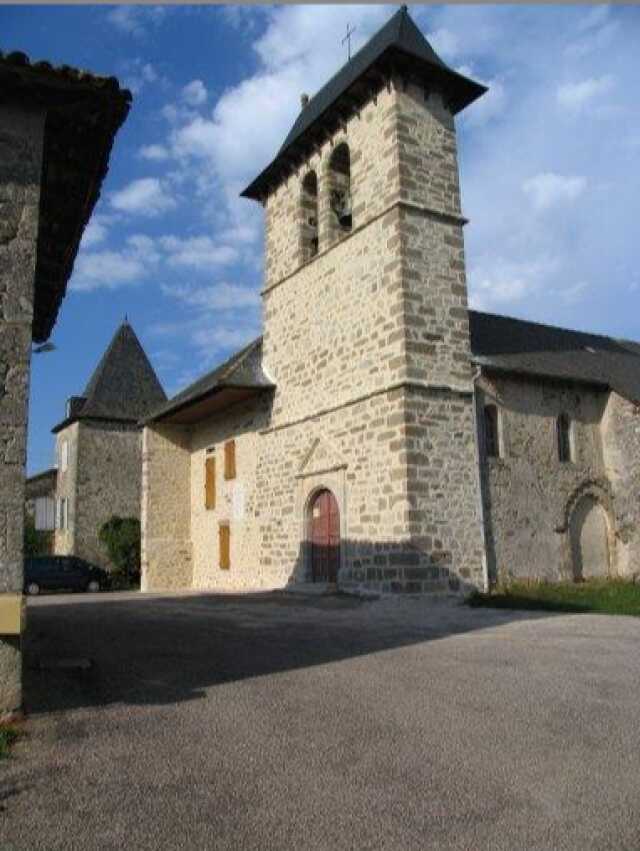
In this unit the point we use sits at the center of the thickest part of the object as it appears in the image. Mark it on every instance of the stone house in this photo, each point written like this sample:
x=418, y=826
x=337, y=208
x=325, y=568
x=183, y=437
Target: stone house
x=99, y=447
x=57, y=127
x=379, y=433
x=40, y=506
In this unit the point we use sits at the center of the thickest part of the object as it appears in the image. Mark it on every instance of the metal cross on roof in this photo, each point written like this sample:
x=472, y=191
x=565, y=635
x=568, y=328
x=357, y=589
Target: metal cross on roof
x=347, y=38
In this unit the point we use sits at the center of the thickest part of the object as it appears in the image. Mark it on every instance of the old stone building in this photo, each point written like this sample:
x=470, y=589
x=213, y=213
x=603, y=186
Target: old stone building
x=99, y=447
x=57, y=127
x=379, y=433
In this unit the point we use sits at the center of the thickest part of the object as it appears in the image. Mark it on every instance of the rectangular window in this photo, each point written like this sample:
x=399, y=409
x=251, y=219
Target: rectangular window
x=210, y=482
x=45, y=514
x=491, y=431
x=225, y=546
x=64, y=455
x=230, y=459
x=63, y=513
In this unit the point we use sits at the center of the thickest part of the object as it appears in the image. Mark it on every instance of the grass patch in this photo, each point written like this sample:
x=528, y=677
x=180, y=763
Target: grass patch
x=8, y=735
x=609, y=596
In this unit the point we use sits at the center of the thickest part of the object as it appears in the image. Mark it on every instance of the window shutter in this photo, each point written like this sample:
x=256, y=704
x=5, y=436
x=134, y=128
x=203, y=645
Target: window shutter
x=225, y=546
x=210, y=482
x=230, y=459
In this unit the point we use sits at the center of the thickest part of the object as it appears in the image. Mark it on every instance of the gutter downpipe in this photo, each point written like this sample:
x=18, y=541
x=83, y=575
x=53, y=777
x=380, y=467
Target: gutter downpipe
x=485, y=565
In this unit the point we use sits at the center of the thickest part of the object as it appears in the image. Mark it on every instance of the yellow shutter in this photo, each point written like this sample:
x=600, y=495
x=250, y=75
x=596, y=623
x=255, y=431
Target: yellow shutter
x=210, y=482
x=225, y=546
x=230, y=459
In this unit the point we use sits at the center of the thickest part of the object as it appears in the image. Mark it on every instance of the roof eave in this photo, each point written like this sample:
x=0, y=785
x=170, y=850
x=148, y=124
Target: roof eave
x=160, y=415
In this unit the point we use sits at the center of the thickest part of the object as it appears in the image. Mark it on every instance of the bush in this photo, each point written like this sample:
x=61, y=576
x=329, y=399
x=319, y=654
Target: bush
x=35, y=543
x=121, y=538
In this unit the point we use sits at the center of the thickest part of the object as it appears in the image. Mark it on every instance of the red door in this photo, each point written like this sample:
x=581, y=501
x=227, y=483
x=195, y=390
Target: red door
x=325, y=537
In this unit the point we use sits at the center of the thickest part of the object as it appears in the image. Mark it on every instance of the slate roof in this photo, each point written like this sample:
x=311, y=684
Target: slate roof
x=400, y=40
x=498, y=342
x=41, y=484
x=515, y=345
x=242, y=370
x=123, y=386
x=84, y=113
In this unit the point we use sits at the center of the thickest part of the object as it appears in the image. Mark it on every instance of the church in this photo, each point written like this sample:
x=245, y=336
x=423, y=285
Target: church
x=380, y=435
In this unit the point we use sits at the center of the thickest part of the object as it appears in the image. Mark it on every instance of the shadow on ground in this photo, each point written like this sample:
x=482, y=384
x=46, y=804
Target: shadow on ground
x=147, y=650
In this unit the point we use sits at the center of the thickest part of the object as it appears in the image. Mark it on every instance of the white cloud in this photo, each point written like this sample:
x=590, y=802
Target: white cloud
x=445, y=43
x=194, y=93
x=155, y=153
x=147, y=196
x=499, y=283
x=490, y=105
x=135, y=20
x=548, y=189
x=96, y=231
x=105, y=269
x=200, y=252
x=575, y=96
x=138, y=74
x=222, y=296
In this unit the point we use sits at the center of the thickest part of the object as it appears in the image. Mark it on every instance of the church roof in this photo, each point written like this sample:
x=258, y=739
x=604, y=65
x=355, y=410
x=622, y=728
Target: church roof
x=515, y=345
x=123, y=386
x=497, y=342
x=399, y=44
x=241, y=375
x=83, y=114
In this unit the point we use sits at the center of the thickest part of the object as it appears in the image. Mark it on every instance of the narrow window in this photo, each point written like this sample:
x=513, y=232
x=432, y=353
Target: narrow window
x=64, y=456
x=491, y=436
x=309, y=211
x=225, y=546
x=563, y=433
x=340, y=189
x=230, y=459
x=63, y=513
x=210, y=482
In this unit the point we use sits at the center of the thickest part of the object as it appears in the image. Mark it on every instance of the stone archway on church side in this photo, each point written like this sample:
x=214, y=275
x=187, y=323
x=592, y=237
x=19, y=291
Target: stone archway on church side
x=587, y=526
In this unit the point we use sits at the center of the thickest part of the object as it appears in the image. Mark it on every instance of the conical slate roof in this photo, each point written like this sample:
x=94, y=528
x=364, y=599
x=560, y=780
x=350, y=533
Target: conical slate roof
x=123, y=386
x=399, y=44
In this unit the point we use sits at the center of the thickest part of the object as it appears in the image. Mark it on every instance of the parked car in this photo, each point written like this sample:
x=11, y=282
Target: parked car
x=52, y=573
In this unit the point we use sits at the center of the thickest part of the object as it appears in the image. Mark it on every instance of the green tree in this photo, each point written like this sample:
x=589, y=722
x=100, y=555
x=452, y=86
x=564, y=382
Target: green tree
x=121, y=538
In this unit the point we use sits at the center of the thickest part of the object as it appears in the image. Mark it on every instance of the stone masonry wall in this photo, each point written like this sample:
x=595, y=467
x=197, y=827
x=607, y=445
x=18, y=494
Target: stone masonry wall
x=166, y=509
x=21, y=136
x=66, y=488
x=621, y=449
x=238, y=502
x=528, y=492
x=108, y=483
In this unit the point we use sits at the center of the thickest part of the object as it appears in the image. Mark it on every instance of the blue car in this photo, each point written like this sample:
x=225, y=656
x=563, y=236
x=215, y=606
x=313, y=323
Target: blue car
x=53, y=573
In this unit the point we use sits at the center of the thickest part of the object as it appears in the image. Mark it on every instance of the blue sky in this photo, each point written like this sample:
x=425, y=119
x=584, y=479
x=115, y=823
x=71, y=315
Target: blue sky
x=549, y=169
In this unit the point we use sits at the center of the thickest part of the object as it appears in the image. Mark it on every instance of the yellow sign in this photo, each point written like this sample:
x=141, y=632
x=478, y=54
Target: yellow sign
x=12, y=614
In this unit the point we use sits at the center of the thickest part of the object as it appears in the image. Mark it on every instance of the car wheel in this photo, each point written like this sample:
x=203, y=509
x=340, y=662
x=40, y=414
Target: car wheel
x=33, y=589
x=93, y=586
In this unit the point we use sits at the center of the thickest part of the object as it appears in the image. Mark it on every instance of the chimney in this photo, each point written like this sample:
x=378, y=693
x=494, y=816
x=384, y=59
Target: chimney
x=304, y=100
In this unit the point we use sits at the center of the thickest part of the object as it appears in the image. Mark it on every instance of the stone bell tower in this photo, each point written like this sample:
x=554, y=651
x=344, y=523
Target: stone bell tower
x=365, y=311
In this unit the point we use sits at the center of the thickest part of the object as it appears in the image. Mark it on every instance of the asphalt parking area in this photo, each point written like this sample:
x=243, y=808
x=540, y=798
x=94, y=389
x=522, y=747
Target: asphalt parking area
x=278, y=721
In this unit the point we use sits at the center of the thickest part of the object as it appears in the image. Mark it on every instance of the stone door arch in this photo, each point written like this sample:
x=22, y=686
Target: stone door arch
x=589, y=538
x=324, y=536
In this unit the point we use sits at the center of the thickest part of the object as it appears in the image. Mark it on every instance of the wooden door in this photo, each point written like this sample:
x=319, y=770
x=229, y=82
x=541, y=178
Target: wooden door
x=325, y=537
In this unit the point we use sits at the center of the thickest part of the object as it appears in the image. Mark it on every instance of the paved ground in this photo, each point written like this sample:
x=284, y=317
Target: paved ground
x=276, y=722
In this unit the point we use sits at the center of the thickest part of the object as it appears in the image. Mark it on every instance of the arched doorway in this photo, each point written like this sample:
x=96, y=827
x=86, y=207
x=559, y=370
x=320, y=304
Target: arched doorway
x=589, y=534
x=324, y=534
